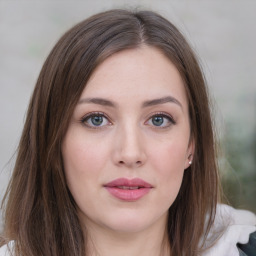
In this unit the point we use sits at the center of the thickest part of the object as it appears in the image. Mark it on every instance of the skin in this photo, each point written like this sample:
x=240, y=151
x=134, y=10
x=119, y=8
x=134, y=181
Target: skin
x=128, y=143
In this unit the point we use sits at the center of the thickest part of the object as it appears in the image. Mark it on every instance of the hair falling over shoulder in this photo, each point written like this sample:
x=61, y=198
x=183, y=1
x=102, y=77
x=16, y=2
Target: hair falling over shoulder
x=40, y=213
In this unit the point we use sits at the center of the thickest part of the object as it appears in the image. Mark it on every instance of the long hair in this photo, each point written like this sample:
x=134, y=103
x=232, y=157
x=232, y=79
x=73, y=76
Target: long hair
x=40, y=213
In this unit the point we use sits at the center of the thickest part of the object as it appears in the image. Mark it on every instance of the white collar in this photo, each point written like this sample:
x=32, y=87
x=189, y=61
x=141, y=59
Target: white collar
x=230, y=227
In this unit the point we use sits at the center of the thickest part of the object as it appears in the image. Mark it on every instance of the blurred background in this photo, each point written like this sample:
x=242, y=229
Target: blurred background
x=223, y=34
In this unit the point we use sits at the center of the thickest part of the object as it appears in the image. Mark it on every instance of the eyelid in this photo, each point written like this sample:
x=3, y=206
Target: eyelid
x=163, y=114
x=95, y=113
x=99, y=113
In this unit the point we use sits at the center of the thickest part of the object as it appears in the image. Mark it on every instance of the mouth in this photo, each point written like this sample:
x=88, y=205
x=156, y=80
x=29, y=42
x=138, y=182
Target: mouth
x=131, y=188
x=128, y=189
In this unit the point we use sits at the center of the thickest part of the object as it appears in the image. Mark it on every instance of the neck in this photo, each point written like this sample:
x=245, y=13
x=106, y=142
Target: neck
x=104, y=242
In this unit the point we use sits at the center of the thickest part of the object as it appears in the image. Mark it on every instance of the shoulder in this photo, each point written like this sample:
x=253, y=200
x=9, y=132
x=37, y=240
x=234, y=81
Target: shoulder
x=231, y=229
x=6, y=250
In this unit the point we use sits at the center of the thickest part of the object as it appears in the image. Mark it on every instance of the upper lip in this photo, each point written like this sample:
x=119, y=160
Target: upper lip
x=124, y=182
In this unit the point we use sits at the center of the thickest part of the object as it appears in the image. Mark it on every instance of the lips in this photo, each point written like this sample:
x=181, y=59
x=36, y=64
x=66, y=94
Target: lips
x=128, y=189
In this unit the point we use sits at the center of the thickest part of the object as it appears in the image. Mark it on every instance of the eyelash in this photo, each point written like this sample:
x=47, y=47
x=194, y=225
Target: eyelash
x=163, y=115
x=84, y=119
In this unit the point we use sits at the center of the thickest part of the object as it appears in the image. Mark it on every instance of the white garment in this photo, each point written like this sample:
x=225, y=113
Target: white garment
x=236, y=225
x=6, y=250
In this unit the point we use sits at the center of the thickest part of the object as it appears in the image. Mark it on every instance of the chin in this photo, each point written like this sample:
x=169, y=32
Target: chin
x=128, y=226
x=132, y=222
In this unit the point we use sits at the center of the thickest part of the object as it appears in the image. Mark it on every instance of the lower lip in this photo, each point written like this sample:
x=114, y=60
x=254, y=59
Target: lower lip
x=128, y=194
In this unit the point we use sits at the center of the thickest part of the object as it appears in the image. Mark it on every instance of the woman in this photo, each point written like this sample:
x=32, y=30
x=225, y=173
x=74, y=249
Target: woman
x=117, y=155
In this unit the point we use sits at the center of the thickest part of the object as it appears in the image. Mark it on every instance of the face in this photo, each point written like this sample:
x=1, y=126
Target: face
x=128, y=143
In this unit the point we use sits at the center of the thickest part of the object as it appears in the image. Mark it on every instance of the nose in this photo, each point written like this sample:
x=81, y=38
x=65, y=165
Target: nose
x=129, y=148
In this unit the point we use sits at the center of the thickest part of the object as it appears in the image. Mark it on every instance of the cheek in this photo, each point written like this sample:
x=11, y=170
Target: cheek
x=169, y=162
x=83, y=161
x=80, y=153
x=170, y=158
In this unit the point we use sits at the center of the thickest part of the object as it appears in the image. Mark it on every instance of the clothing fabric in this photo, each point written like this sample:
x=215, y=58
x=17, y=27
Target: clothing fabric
x=233, y=234
x=231, y=228
x=7, y=249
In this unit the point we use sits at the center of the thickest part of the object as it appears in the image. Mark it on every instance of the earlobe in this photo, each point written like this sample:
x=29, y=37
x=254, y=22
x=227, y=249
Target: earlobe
x=191, y=149
x=190, y=159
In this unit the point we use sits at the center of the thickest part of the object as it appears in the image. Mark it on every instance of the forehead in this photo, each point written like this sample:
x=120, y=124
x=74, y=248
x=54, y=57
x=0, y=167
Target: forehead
x=143, y=72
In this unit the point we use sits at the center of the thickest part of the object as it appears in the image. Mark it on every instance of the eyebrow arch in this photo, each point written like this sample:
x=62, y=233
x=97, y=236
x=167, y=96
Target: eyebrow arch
x=98, y=101
x=163, y=100
x=149, y=103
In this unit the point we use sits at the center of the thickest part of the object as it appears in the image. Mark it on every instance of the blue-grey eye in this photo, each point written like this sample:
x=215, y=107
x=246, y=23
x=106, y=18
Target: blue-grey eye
x=95, y=120
x=157, y=120
x=161, y=121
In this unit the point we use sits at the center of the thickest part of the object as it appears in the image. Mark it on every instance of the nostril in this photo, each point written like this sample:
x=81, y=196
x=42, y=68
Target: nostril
x=125, y=163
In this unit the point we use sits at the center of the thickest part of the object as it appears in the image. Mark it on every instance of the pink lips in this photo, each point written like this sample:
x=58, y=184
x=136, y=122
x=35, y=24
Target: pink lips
x=128, y=189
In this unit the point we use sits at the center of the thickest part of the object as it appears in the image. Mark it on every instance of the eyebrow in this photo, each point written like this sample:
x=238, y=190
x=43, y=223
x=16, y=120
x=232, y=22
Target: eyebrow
x=148, y=103
x=159, y=101
x=98, y=101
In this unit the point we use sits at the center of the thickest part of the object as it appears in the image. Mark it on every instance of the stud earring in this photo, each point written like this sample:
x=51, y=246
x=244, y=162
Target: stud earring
x=190, y=161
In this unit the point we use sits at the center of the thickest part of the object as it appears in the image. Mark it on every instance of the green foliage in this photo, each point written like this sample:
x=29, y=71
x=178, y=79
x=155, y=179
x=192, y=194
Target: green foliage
x=238, y=168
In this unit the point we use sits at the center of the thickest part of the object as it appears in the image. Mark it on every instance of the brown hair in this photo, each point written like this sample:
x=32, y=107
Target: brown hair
x=40, y=212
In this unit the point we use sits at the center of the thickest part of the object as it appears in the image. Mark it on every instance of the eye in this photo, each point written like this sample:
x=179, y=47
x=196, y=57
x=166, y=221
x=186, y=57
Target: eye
x=161, y=120
x=95, y=120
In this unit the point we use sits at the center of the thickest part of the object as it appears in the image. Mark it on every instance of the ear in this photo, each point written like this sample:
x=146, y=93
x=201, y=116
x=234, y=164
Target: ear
x=190, y=153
